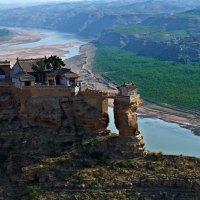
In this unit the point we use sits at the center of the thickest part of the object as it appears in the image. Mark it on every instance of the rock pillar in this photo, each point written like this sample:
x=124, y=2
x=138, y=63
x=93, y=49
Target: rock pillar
x=130, y=140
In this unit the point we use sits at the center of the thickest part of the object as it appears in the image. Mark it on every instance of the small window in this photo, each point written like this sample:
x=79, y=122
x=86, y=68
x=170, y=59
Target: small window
x=51, y=82
x=27, y=83
x=72, y=82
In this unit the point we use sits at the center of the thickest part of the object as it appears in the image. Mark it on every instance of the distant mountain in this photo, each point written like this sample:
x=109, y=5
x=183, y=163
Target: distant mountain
x=90, y=17
x=18, y=5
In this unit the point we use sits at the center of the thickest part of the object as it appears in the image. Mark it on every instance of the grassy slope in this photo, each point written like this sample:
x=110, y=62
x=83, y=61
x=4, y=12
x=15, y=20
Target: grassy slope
x=160, y=81
x=153, y=33
x=82, y=174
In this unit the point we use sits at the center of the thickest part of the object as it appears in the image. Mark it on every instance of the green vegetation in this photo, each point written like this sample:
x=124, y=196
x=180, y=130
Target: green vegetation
x=153, y=33
x=188, y=15
x=5, y=34
x=77, y=174
x=136, y=29
x=160, y=81
x=51, y=63
x=168, y=35
x=33, y=192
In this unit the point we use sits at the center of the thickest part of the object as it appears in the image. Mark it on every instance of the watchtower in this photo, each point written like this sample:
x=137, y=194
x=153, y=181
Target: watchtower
x=128, y=94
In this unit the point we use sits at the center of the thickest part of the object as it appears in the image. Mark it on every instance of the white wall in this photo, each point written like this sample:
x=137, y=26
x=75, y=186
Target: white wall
x=16, y=68
x=16, y=82
x=2, y=77
x=64, y=81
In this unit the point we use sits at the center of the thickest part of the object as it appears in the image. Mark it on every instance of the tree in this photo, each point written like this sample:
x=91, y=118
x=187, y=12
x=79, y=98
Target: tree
x=53, y=63
x=39, y=67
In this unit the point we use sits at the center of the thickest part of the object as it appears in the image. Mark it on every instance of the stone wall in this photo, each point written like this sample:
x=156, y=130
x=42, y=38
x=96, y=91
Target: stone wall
x=41, y=91
x=52, y=105
x=80, y=114
x=95, y=99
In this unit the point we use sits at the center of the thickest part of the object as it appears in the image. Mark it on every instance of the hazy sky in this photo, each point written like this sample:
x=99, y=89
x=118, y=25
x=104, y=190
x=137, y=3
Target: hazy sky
x=31, y=1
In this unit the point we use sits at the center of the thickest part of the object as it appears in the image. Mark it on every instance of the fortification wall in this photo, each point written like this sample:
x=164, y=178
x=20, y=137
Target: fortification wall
x=7, y=88
x=81, y=113
x=95, y=99
x=41, y=91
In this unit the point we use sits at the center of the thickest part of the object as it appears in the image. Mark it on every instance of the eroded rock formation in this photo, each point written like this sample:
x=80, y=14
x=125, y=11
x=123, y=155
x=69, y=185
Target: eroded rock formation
x=51, y=142
x=130, y=140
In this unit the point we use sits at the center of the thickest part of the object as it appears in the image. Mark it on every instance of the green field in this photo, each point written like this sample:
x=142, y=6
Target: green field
x=153, y=33
x=188, y=15
x=136, y=29
x=5, y=34
x=160, y=81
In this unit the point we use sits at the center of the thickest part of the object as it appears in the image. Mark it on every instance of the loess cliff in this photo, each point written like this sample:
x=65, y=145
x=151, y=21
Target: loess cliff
x=58, y=147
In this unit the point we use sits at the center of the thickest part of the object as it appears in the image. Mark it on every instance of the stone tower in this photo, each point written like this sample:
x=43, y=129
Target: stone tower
x=125, y=107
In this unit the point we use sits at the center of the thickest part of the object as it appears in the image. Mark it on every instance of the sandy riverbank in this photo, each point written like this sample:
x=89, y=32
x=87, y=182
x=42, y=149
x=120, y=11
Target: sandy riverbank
x=190, y=121
x=82, y=65
x=22, y=36
x=25, y=36
x=36, y=52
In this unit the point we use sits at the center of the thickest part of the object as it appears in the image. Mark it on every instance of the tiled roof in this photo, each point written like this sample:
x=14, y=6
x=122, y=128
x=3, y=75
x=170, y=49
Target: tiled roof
x=67, y=73
x=71, y=75
x=62, y=71
x=5, y=62
x=27, y=64
x=128, y=86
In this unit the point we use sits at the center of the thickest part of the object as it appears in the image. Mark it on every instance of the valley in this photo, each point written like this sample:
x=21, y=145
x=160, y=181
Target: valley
x=168, y=37
x=82, y=141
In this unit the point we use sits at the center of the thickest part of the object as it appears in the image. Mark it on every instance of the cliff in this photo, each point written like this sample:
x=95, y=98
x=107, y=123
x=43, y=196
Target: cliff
x=58, y=147
x=33, y=128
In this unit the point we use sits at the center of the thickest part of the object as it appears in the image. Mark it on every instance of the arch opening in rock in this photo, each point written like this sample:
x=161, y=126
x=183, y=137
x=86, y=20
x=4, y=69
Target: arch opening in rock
x=111, y=126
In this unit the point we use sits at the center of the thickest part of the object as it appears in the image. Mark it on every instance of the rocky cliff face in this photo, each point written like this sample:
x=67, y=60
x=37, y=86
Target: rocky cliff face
x=38, y=127
x=126, y=123
x=47, y=152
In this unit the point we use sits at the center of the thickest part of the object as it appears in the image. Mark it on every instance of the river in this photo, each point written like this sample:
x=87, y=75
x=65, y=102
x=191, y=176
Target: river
x=160, y=136
x=48, y=38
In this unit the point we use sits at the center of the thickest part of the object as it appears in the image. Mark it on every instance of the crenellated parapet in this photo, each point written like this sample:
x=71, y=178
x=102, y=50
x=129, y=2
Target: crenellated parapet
x=95, y=98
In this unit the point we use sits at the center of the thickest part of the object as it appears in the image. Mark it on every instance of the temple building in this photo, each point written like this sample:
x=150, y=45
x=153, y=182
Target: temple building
x=128, y=89
x=23, y=74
